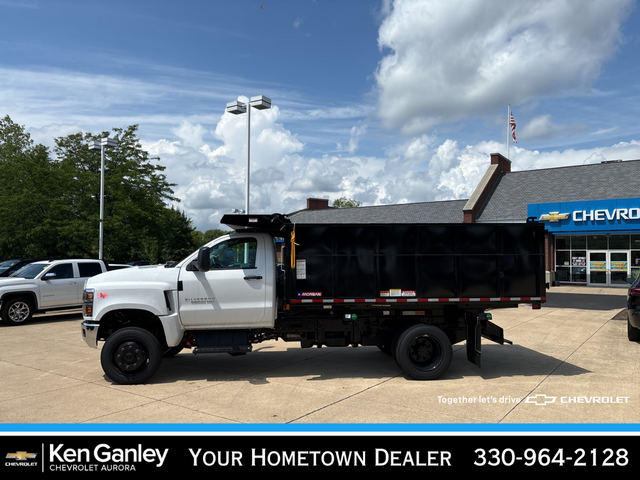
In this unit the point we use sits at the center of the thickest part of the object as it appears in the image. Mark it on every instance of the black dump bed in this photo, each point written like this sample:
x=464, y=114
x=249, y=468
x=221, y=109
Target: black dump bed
x=435, y=262
x=408, y=263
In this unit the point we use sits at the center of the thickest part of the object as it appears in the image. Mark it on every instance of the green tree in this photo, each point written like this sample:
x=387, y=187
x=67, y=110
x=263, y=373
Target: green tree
x=51, y=206
x=176, y=236
x=208, y=235
x=344, y=202
x=139, y=223
x=30, y=195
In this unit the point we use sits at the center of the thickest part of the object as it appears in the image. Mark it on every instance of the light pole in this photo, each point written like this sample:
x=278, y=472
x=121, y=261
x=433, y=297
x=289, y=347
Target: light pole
x=106, y=142
x=259, y=102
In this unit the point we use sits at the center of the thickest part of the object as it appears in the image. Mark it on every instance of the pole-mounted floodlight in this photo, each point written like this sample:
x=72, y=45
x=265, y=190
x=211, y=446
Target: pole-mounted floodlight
x=236, y=107
x=259, y=102
x=106, y=142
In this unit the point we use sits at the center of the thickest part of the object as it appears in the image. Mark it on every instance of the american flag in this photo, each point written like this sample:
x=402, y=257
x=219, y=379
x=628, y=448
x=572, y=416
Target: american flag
x=512, y=124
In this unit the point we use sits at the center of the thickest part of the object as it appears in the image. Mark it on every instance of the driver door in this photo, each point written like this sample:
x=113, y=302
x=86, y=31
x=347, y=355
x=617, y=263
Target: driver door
x=59, y=286
x=233, y=292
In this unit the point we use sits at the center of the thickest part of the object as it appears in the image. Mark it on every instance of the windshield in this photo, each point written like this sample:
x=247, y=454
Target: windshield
x=29, y=271
x=4, y=266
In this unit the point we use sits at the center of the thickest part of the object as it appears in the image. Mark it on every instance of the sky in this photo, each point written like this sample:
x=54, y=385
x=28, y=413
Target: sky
x=381, y=101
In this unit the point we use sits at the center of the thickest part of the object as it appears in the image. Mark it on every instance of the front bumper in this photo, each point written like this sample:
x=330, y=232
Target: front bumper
x=90, y=333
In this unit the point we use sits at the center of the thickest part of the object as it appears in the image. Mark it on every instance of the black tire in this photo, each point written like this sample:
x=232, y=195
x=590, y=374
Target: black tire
x=633, y=334
x=423, y=352
x=16, y=311
x=131, y=356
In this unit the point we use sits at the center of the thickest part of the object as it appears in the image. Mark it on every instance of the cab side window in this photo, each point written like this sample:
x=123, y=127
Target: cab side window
x=64, y=270
x=89, y=269
x=234, y=254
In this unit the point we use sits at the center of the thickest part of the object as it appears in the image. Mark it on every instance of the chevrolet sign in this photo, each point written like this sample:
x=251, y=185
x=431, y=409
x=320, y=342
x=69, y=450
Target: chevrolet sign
x=602, y=214
x=605, y=216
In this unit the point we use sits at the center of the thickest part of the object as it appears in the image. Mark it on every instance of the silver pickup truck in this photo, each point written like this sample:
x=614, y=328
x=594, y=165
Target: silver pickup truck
x=44, y=286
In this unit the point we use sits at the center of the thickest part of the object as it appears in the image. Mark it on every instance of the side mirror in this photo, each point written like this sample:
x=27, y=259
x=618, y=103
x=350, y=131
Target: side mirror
x=49, y=276
x=203, y=261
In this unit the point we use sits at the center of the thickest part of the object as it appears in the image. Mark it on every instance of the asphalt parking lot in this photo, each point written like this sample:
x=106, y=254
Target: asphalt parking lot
x=570, y=363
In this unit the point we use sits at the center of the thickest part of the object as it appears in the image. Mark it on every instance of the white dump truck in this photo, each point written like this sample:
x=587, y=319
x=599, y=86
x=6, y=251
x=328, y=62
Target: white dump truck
x=411, y=290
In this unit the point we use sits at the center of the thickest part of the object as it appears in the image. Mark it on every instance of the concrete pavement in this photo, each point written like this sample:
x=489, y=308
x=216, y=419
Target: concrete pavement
x=570, y=362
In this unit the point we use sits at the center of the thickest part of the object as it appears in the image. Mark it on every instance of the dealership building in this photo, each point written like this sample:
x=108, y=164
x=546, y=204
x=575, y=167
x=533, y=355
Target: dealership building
x=591, y=213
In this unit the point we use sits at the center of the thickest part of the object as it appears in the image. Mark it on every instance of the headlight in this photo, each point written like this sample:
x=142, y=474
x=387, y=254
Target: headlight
x=87, y=302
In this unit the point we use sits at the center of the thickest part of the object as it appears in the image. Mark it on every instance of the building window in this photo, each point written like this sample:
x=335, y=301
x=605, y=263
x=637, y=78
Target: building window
x=572, y=252
x=563, y=274
x=571, y=258
x=579, y=242
x=635, y=255
x=563, y=242
x=619, y=242
x=596, y=242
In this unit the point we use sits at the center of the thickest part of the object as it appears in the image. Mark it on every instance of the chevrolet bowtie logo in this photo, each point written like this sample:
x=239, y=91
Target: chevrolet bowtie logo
x=540, y=399
x=21, y=455
x=554, y=216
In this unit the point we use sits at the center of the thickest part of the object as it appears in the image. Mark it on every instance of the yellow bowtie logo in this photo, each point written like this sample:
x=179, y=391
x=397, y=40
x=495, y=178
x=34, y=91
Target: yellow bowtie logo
x=554, y=216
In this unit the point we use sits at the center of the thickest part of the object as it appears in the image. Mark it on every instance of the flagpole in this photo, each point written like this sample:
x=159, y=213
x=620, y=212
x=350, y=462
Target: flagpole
x=508, y=127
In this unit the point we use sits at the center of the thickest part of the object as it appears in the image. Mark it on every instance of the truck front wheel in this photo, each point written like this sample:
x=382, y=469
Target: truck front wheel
x=423, y=352
x=131, y=356
x=16, y=311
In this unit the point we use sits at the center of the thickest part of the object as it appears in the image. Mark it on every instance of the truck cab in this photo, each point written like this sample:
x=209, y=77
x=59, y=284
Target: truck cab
x=229, y=284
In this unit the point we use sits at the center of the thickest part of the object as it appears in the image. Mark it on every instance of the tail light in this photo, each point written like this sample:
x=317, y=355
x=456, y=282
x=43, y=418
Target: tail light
x=635, y=290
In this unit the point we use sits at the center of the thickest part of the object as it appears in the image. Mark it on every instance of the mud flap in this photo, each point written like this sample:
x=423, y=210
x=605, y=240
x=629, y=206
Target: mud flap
x=480, y=326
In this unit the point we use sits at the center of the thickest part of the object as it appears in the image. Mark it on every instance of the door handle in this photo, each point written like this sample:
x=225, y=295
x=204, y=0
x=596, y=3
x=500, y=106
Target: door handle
x=253, y=277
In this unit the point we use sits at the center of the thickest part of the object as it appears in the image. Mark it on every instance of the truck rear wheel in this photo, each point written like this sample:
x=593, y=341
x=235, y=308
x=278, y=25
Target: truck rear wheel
x=423, y=352
x=16, y=311
x=131, y=356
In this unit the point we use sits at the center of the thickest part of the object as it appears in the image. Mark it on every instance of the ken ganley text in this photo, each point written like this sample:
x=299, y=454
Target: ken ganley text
x=320, y=458
x=104, y=457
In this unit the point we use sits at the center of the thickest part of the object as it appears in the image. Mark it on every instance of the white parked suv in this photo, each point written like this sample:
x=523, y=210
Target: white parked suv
x=44, y=286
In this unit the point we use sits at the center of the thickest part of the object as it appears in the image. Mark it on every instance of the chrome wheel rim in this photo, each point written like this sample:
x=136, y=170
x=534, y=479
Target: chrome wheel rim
x=18, y=312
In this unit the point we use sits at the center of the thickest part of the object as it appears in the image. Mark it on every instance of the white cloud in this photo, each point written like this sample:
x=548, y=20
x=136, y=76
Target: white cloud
x=415, y=170
x=164, y=147
x=444, y=60
x=534, y=159
x=544, y=128
x=190, y=134
x=212, y=178
x=46, y=134
x=356, y=133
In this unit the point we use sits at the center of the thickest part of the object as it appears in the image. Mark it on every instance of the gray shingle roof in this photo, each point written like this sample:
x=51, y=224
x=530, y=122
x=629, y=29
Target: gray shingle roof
x=449, y=211
x=600, y=181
